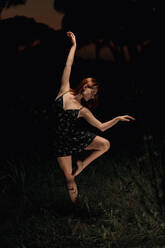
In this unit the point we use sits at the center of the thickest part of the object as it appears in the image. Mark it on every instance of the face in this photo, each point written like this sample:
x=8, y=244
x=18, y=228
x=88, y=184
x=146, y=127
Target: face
x=89, y=93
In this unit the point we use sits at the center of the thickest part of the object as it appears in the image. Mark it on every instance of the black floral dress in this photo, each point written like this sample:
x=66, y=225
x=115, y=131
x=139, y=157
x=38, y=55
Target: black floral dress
x=70, y=137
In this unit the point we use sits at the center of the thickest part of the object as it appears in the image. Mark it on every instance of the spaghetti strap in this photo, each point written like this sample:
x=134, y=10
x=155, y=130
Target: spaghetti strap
x=81, y=107
x=65, y=92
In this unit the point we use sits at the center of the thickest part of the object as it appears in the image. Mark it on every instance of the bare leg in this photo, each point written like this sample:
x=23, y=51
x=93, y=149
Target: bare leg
x=100, y=146
x=72, y=189
x=65, y=164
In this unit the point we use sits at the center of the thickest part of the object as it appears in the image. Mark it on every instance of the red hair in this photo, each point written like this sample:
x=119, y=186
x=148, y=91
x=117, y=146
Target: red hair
x=91, y=83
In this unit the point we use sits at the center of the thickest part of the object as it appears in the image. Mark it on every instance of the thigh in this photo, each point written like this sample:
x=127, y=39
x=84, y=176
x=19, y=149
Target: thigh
x=65, y=164
x=97, y=143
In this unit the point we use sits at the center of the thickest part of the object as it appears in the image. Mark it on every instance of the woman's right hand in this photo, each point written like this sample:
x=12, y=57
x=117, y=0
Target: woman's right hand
x=73, y=38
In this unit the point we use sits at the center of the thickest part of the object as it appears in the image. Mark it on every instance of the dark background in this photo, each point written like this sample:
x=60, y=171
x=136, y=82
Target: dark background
x=32, y=59
x=122, y=194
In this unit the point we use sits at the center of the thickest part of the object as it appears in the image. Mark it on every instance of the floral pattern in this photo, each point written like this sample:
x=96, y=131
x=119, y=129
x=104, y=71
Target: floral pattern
x=70, y=137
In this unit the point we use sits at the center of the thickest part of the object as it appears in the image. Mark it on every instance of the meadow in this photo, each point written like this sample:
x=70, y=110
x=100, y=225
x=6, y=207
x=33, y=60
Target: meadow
x=121, y=202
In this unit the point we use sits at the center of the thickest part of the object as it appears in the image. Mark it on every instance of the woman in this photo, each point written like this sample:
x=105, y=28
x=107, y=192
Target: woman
x=70, y=137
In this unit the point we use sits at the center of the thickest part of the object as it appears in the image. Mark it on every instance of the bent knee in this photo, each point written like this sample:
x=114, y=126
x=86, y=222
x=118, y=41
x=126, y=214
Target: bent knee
x=106, y=145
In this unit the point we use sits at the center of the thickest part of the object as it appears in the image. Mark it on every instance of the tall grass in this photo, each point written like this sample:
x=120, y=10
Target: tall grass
x=122, y=203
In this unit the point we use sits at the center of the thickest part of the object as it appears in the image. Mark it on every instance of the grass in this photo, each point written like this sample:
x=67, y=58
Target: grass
x=122, y=203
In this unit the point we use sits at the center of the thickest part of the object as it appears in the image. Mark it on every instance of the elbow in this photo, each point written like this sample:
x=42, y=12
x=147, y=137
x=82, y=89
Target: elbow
x=102, y=128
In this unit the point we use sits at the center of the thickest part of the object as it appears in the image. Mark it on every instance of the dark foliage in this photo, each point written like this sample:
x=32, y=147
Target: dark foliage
x=121, y=21
x=9, y=3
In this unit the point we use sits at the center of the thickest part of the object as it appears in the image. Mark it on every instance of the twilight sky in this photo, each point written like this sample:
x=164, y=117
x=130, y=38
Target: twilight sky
x=41, y=10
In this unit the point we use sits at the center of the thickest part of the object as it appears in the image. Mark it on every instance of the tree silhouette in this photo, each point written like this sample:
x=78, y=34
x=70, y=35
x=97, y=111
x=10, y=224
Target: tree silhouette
x=9, y=3
x=125, y=27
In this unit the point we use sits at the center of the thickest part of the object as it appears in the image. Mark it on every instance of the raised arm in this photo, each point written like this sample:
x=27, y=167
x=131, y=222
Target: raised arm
x=65, y=84
x=90, y=118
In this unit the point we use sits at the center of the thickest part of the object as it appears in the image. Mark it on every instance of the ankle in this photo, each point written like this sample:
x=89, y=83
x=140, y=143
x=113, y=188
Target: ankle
x=80, y=163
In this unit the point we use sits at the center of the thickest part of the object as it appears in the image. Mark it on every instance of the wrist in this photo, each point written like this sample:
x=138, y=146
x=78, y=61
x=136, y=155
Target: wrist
x=74, y=45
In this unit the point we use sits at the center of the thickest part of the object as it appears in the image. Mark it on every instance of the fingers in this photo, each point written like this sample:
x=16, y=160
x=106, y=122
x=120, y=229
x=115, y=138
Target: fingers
x=127, y=118
x=72, y=37
x=69, y=33
x=130, y=117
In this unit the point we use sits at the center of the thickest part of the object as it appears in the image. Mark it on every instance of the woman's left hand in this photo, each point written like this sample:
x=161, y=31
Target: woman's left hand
x=126, y=118
x=73, y=38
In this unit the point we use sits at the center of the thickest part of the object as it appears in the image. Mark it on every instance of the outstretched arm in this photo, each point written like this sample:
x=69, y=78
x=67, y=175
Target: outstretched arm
x=87, y=114
x=111, y=123
x=65, y=84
